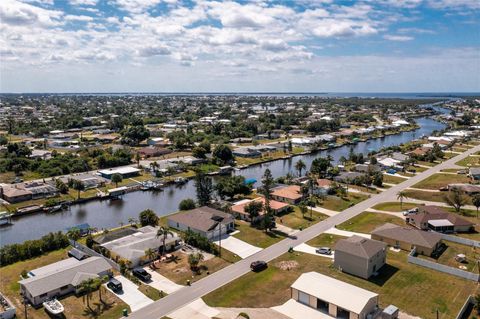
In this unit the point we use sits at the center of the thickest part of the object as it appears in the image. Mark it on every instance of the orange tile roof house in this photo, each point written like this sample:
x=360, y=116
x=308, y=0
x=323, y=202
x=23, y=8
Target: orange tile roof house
x=239, y=209
x=288, y=194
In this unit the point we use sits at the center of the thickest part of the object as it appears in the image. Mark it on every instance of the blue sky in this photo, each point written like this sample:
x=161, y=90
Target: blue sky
x=241, y=46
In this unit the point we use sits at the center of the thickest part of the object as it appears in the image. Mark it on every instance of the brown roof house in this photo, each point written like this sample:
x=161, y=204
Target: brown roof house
x=406, y=238
x=153, y=151
x=437, y=219
x=206, y=221
x=238, y=209
x=288, y=194
x=360, y=256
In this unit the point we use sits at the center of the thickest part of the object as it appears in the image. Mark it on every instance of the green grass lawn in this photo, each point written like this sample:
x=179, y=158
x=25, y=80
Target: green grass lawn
x=338, y=204
x=394, y=206
x=469, y=161
x=324, y=240
x=427, y=196
x=295, y=219
x=74, y=306
x=405, y=285
x=436, y=181
x=256, y=236
x=366, y=222
x=426, y=163
x=151, y=292
x=392, y=179
x=453, y=249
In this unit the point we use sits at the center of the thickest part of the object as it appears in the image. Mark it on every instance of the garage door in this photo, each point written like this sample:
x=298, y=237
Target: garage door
x=303, y=298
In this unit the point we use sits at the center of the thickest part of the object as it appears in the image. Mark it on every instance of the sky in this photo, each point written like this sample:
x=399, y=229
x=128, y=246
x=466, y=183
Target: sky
x=239, y=46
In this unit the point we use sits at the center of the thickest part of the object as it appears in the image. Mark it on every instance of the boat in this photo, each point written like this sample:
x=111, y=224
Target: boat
x=180, y=180
x=53, y=306
x=5, y=218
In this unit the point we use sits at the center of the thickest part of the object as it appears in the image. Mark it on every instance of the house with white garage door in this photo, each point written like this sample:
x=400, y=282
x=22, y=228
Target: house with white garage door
x=333, y=297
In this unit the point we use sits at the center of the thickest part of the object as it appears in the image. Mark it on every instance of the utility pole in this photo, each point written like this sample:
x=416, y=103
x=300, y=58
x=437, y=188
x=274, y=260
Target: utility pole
x=220, y=240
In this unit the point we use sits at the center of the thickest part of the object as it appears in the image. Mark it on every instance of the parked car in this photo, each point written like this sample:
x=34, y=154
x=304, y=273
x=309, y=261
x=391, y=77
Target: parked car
x=142, y=274
x=115, y=285
x=443, y=189
x=323, y=251
x=410, y=211
x=258, y=265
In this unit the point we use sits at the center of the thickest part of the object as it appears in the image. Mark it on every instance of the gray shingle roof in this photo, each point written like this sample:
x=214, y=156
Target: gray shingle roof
x=360, y=246
x=201, y=218
x=409, y=235
x=64, y=273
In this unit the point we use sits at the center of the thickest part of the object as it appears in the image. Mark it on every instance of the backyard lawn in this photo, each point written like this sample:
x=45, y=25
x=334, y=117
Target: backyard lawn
x=366, y=222
x=256, y=236
x=399, y=283
x=453, y=249
x=74, y=306
x=436, y=181
x=338, y=204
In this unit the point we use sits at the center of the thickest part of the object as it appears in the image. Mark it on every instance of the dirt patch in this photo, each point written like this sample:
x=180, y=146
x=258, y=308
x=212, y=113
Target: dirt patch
x=287, y=264
x=180, y=270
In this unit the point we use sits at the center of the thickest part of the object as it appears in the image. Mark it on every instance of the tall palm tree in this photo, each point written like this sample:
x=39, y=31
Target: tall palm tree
x=150, y=254
x=87, y=287
x=300, y=166
x=99, y=283
x=74, y=234
x=401, y=196
x=164, y=232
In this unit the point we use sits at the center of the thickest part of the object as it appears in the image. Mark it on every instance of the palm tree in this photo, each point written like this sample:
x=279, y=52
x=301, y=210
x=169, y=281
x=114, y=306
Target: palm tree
x=78, y=186
x=132, y=221
x=476, y=201
x=195, y=259
x=154, y=166
x=117, y=178
x=401, y=196
x=150, y=254
x=164, y=231
x=87, y=287
x=99, y=283
x=343, y=160
x=300, y=166
x=74, y=234
x=137, y=159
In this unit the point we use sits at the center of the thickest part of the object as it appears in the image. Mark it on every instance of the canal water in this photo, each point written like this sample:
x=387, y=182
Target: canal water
x=108, y=214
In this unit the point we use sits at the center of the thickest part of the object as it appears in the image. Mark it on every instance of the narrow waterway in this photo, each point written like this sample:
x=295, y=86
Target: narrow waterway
x=107, y=214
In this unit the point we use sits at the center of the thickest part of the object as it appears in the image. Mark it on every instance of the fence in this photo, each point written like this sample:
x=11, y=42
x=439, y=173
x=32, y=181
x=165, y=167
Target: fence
x=466, y=306
x=460, y=240
x=442, y=268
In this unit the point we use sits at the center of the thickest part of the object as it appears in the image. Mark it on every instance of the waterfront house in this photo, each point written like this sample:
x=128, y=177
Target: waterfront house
x=153, y=151
x=126, y=171
x=474, y=173
x=246, y=152
x=238, y=209
x=61, y=278
x=438, y=219
x=347, y=177
x=206, y=221
x=132, y=247
x=331, y=297
x=360, y=256
x=426, y=243
x=14, y=194
x=288, y=194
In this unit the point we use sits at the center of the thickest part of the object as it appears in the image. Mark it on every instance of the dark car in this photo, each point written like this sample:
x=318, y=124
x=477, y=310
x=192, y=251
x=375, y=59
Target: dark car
x=258, y=265
x=323, y=251
x=115, y=285
x=142, y=274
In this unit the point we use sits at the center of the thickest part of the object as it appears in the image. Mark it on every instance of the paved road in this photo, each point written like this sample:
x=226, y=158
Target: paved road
x=202, y=287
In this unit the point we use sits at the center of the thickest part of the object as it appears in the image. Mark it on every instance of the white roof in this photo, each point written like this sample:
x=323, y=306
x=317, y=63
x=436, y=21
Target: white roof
x=388, y=161
x=334, y=291
x=440, y=222
x=120, y=170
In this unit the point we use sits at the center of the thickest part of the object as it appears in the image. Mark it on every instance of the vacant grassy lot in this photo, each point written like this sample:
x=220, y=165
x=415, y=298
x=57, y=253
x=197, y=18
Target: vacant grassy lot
x=74, y=306
x=469, y=161
x=436, y=181
x=366, y=222
x=295, y=219
x=392, y=179
x=399, y=283
x=452, y=250
x=179, y=270
x=256, y=236
x=394, y=206
x=338, y=204
x=426, y=163
x=151, y=292
x=427, y=196
x=324, y=240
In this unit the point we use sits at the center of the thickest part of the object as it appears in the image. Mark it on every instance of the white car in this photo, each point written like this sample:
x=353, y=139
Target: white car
x=410, y=211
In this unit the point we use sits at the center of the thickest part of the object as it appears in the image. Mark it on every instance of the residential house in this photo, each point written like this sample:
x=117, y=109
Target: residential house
x=132, y=247
x=406, y=238
x=238, y=209
x=360, y=256
x=62, y=278
x=438, y=219
x=14, y=194
x=288, y=194
x=152, y=151
x=126, y=171
x=347, y=177
x=474, y=173
x=206, y=221
x=246, y=152
x=7, y=309
x=469, y=189
x=323, y=186
x=367, y=168
x=330, y=296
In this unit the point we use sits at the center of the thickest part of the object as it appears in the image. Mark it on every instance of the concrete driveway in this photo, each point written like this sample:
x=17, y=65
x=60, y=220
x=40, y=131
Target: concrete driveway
x=131, y=295
x=306, y=248
x=197, y=309
x=345, y=233
x=162, y=283
x=237, y=246
x=296, y=310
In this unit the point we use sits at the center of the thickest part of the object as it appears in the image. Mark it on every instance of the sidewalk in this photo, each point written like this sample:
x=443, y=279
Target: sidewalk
x=325, y=211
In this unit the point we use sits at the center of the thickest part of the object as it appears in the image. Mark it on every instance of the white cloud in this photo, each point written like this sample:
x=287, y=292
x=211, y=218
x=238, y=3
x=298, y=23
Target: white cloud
x=400, y=38
x=83, y=2
x=154, y=50
x=136, y=6
x=17, y=13
x=78, y=18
